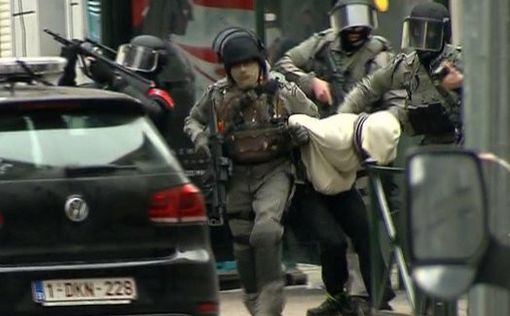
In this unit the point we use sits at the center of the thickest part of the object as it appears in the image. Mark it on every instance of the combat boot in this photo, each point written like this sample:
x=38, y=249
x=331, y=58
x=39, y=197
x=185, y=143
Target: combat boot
x=271, y=299
x=361, y=305
x=250, y=301
x=337, y=305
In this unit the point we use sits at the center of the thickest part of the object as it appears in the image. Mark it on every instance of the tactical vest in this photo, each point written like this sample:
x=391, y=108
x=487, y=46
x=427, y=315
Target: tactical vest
x=431, y=109
x=351, y=67
x=253, y=125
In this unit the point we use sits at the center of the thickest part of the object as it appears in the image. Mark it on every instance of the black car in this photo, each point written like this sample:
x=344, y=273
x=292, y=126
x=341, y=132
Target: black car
x=96, y=215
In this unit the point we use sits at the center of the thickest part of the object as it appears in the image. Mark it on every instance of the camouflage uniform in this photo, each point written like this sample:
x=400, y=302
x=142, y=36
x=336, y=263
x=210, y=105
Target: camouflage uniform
x=261, y=181
x=307, y=60
x=429, y=110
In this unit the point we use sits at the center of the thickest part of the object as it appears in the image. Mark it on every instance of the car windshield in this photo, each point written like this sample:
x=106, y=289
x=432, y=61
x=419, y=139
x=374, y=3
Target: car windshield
x=40, y=144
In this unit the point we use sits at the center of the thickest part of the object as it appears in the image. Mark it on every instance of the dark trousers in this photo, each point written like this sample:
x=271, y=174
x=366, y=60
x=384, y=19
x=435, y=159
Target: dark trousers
x=329, y=219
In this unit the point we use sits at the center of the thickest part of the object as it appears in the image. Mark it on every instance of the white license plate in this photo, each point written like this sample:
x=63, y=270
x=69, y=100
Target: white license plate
x=84, y=291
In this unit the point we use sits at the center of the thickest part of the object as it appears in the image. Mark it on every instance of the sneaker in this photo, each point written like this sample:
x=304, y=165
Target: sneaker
x=337, y=305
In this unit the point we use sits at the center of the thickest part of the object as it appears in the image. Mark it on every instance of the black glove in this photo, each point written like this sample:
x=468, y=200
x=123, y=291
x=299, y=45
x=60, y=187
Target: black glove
x=101, y=72
x=270, y=87
x=299, y=135
x=202, y=145
x=71, y=54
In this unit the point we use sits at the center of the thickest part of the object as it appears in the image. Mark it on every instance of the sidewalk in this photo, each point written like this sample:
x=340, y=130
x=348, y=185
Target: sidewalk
x=300, y=298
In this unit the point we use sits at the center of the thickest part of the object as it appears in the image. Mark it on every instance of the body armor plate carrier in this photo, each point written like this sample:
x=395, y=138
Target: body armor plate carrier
x=258, y=145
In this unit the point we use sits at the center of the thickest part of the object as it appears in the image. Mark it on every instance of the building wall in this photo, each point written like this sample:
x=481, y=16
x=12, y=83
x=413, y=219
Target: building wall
x=6, y=45
x=22, y=24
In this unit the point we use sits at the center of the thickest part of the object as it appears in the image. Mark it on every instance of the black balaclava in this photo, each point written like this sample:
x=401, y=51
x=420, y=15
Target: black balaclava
x=433, y=11
x=349, y=46
x=345, y=15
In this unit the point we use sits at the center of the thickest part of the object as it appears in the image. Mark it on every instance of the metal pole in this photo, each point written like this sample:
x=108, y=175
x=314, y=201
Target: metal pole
x=392, y=233
x=260, y=21
x=486, y=49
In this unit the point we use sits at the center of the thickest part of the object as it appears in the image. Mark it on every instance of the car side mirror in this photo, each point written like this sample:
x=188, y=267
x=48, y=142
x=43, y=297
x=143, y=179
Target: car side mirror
x=447, y=232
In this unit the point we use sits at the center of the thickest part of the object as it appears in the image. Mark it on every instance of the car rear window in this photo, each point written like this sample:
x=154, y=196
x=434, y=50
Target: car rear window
x=43, y=144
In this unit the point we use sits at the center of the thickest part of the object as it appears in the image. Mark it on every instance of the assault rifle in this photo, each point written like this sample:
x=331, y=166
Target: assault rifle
x=101, y=46
x=336, y=80
x=130, y=76
x=219, y=172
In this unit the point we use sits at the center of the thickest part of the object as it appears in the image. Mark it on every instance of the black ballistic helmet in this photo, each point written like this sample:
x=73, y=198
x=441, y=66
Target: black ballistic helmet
x=427, y=28
x=235, y=45
x=353, y=13
x=145, y=53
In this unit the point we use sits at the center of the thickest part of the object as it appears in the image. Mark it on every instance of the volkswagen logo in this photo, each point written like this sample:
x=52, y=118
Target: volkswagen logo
x=76, y=208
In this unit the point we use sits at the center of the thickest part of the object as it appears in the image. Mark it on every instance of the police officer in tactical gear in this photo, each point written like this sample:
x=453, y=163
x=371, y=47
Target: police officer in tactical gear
x=431, y=74
x=251, y=107
x=144, y=56
x=326, y=66
x=147, y=55
x=160, y=61
x=163, y=19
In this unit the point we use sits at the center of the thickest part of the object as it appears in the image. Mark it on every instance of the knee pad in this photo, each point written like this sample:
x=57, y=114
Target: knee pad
x=267, y=232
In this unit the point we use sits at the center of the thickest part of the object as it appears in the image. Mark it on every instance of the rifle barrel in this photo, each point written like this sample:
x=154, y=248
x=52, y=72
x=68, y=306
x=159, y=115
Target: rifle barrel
x=88, y=52
x=103, y=47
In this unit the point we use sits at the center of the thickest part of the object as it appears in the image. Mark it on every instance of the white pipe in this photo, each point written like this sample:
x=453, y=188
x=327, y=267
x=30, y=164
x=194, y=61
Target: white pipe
x=456, y=15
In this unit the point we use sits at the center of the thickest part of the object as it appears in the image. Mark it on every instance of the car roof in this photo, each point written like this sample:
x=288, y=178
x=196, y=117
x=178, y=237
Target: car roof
x=39, y=92
x=23, y=93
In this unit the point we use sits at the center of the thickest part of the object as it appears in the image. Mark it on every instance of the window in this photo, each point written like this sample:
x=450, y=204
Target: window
x=43, y=144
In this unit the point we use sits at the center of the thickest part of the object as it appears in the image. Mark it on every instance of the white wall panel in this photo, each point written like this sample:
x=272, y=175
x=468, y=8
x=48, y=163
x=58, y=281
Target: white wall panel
x=6, y=44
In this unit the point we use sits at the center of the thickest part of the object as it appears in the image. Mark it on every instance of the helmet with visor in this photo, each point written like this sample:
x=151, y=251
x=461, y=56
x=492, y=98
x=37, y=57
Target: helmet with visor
x=347, y=14
x=143, y=54
x=427, y=28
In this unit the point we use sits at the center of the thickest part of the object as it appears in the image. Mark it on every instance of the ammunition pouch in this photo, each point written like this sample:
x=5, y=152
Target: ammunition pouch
x=258, y=145
x=430, y=120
